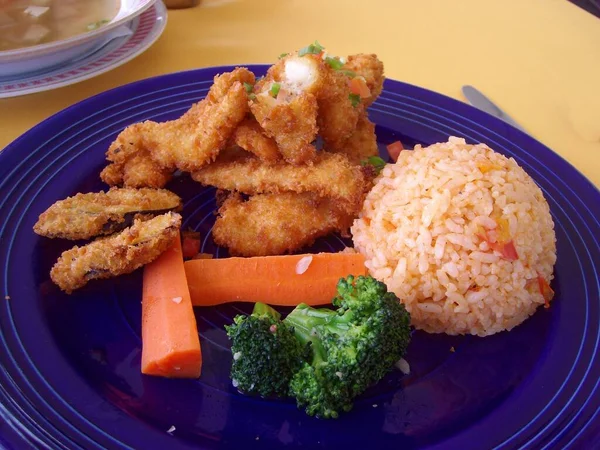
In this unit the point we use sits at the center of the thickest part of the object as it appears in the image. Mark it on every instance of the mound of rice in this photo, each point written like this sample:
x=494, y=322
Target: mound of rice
x=431, y=228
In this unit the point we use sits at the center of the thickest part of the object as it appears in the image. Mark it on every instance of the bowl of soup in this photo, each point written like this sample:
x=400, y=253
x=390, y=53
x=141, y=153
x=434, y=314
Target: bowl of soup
x=37, y=34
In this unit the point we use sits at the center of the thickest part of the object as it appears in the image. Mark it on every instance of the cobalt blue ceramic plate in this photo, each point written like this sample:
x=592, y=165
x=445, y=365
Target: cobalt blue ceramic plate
x=70, y=365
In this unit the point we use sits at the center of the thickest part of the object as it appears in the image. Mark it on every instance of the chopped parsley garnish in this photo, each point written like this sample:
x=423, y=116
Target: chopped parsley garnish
x=312, y=49
x=249, y=90
x=375, y=161
x=283, y=55
x=274, y=90
x=355, y=99
x=96, y=25
x=334, y=63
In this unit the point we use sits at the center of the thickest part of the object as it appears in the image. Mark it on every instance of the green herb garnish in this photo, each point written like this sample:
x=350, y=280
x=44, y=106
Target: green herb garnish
x=334, y=63
x=312, y=49
x=375, y=161
x=349, y=73
x=355, y=99
x=283, y=55
x=250, y=90
x=95, y=25
x=274, y=90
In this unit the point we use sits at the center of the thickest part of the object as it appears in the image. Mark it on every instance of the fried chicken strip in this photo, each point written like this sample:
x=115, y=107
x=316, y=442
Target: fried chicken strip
x=299, y=74
x=337, y=115
x=291, y=121
x=145, y=154
x=116, y=255
x=309, y=74
x=371, y=69
x=196, y=139
x=362, y=143
x=274, y=224
x=291, y=117
x=135, y=169
x=331, y=175
x=84, y=216
x=250, y=136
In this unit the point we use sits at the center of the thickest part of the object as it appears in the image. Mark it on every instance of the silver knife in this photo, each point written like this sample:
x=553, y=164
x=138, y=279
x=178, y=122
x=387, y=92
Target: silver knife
x=480, y=101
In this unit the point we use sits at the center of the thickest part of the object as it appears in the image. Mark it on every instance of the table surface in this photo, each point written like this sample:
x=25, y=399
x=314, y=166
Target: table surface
x=539, y=60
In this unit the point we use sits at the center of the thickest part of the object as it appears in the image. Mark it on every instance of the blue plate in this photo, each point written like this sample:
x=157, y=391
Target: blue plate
x=70, y=365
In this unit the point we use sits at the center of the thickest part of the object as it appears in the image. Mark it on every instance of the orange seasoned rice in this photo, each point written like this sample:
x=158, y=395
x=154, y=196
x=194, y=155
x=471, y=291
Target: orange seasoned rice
x=421, y=231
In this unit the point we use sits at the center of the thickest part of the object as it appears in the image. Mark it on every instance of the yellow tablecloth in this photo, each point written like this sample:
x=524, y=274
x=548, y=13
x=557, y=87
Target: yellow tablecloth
x=538, y=59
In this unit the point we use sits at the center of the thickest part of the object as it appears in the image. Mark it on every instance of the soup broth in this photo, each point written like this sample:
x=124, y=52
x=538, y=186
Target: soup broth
x=24, y=23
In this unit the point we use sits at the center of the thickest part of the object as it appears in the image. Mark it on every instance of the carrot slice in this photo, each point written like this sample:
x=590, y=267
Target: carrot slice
x=277, y=280
x=358, y=86
x=545, y=290
x=191, y=246
x=394, y=150
x=170, y=343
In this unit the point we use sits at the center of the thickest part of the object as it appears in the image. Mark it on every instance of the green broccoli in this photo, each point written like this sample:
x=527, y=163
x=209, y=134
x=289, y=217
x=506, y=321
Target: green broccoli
x=352, y=348
x=266, y=354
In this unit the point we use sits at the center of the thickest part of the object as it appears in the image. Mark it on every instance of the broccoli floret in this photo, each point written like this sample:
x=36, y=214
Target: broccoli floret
x=352, y=348
x=266, y=354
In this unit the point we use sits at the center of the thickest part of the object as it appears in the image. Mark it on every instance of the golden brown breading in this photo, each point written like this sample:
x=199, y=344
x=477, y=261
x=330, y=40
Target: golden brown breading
x=84, y=216
x=116, y=255
x=331, y=175
x=195, y=139
x=371, y=69
x=291, y=121
x=337, y=116
x=146, y=154
x=299, y=74
x=362, y=143
x=224, y=82
x=250, y=136
x=135, y=168
x=274, y=224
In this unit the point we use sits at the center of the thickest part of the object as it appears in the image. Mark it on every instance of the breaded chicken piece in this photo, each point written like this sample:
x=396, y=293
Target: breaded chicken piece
x=224, y=82
x=291, y=120
x=371, y=69
x=116, y=255
x=298, y=74
x=136, y=170
x=362, y=143
x=250, y=136
x=330, y=175
x=274, y=224
x=146, y=154
x=195, y=139
x=84, y=216
x=337, y=115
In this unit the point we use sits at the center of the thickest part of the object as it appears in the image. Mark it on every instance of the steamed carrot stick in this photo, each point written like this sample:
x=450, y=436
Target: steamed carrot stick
x=271, y=279
x=170, y=343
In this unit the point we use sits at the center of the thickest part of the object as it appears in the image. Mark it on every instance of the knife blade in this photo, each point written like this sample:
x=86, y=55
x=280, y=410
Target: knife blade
x=480, y=101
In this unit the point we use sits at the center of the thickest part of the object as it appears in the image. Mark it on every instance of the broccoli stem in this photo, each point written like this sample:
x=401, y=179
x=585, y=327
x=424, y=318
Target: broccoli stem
x=262, y=309
x=305, y=319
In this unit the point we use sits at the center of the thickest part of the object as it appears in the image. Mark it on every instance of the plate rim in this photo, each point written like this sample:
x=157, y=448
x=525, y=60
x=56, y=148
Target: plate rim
x=37, y=82
x=16, y=142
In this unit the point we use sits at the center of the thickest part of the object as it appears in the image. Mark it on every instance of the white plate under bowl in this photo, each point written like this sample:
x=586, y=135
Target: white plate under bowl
x=145, y=30
x=39, y=57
